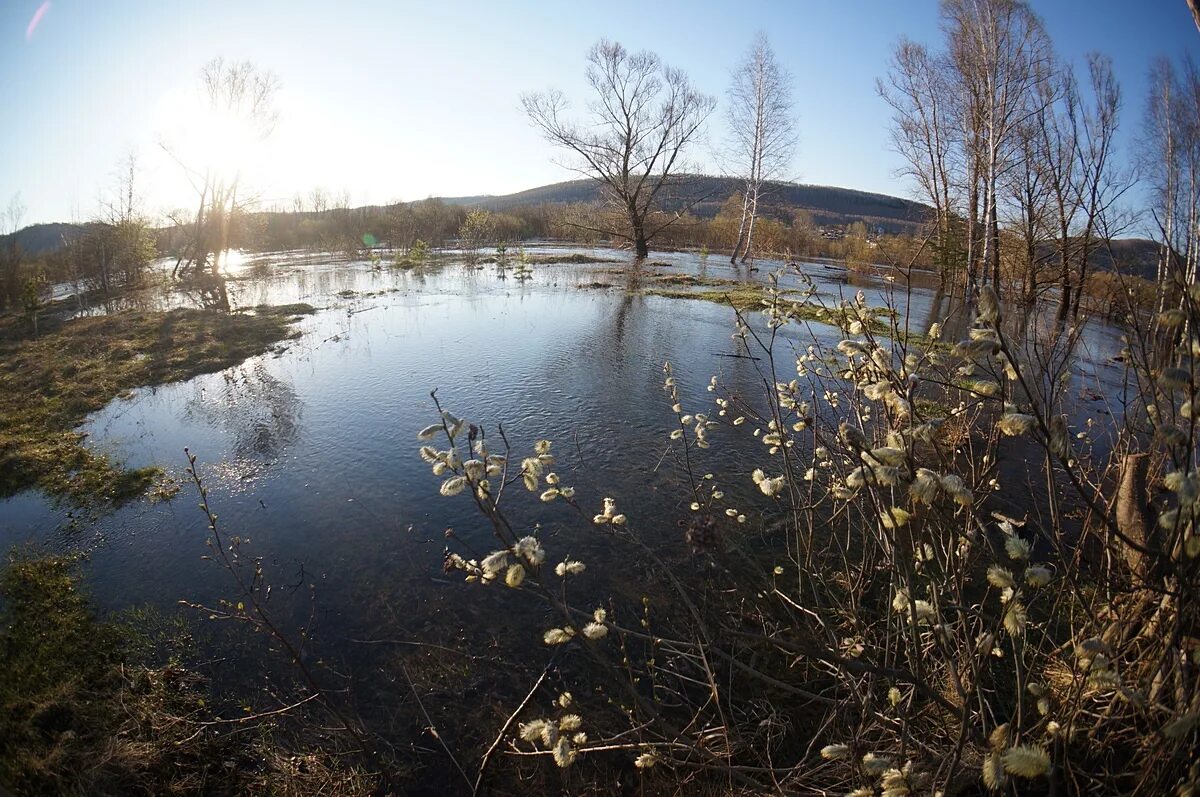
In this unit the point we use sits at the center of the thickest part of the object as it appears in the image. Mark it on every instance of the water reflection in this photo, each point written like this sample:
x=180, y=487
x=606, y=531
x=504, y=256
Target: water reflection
x=259, y=412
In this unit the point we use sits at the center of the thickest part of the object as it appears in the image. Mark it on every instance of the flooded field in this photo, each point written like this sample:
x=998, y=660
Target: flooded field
x=310, y=451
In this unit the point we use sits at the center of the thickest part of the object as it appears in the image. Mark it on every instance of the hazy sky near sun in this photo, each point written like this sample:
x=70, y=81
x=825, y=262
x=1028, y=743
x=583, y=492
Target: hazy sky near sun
x=401, y=100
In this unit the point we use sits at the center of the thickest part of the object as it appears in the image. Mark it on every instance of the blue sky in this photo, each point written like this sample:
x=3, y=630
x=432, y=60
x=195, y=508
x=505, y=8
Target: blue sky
x=403, y=100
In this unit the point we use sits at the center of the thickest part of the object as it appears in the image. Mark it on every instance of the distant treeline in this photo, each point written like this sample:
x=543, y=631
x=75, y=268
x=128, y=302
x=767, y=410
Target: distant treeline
x=784, y=231
x=108, y=255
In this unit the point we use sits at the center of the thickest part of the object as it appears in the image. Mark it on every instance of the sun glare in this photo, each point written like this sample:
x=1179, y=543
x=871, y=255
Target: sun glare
x=207, y=140
x=224, y=141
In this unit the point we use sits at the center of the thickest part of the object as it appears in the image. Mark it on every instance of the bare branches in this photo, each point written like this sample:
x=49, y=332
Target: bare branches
x=241, y=89
x=640, y=122
x=919, y=90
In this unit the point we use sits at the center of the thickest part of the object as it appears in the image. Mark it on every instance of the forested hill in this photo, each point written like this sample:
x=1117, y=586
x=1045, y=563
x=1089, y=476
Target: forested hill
x=825, y=204
x=39, y=239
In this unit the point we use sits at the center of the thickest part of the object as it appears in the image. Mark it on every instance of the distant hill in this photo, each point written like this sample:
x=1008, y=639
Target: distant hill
x=1138, y=257
x=826, y=204
x=41, y=239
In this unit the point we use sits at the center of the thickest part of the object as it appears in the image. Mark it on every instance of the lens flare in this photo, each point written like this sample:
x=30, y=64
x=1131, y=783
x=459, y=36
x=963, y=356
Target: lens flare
x=36, y=19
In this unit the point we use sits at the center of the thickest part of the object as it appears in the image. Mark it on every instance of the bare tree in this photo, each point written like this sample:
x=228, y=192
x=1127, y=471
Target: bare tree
x=1101, y=183
x=238, y=109
x=642, y=117
x=762, y=129
x=119, y=245
x=1171, y=160
x=962, y=122
x=1058, y=145
x=1160, y=157
x=1065, y=166
x=1189, y=125
x=1031, y=218
x=318, y=200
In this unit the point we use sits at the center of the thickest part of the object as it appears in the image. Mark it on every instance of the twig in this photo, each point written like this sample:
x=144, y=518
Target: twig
x=483, y=764
x=433, y=728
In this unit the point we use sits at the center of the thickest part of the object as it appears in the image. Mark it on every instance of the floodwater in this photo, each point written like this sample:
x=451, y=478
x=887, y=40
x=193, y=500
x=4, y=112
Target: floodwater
x=310, y=452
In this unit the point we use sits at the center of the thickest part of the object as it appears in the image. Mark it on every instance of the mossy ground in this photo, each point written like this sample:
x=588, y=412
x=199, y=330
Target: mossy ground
x=50, y=383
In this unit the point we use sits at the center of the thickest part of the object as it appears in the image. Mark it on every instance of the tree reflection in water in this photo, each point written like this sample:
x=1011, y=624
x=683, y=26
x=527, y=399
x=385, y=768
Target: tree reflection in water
x=259, y=412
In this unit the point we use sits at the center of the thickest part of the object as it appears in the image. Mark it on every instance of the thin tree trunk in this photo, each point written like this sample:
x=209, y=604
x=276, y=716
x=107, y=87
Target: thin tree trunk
x=750, y=230
x=741, y=236
x=972, y=226
x=994, y=236
x=1031, y=261
x=1064, y=277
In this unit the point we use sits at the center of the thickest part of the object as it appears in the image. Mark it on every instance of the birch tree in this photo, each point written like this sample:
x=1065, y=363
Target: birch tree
x=998, y=48
x=1160, y=158
x=1171, y=161
x=761, y=118
x=642, y=118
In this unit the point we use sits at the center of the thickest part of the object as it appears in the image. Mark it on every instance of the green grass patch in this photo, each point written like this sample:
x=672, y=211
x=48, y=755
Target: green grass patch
x=691, y=280
x=748, y=298
x=49, y=385
x=930, y=408
x=409, y=263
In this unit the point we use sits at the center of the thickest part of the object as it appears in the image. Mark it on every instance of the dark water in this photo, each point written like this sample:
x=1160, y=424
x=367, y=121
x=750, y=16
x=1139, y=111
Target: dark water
x=311, y=453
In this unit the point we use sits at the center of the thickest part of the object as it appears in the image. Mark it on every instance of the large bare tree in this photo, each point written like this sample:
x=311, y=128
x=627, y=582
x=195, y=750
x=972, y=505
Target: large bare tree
x=762, y=129
x=640, y=121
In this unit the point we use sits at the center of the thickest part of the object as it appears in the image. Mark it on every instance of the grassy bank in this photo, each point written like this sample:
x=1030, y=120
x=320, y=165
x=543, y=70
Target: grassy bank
x=49, y=384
